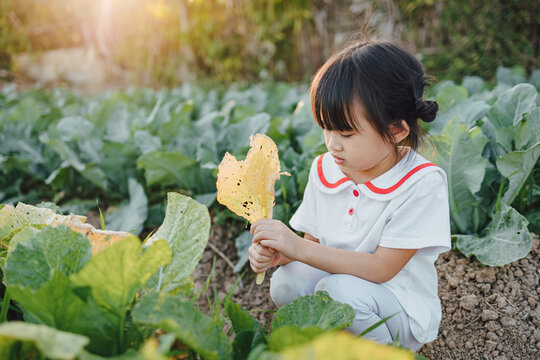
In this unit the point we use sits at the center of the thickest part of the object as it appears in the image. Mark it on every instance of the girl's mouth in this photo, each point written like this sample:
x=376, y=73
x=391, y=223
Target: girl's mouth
x=338, y=160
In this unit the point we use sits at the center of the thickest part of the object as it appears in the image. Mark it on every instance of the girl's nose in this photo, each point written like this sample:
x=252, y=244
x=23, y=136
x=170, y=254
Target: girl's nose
x=333, y=143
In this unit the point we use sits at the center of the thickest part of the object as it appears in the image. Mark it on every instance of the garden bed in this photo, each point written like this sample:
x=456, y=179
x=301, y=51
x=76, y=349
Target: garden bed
x=488, y=312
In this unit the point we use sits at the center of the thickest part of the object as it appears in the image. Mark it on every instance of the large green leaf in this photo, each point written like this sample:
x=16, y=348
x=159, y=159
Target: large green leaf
x=31, y=263
x=176, y=315
x=459, y=153
x=314, y=310
x=516, y=167
x=529, y=132
x=451, y=96
x=56, y=304
x=166, y=167
x=248, y=331
x=239, y=133
x=508, y=111
x=21, y=340
x=116, y=274
x=506, y=239
x=132, y=214
x=186, y=228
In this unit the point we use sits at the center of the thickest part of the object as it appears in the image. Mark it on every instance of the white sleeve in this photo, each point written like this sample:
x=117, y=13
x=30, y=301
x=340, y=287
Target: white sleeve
x=423, y=220
x=305, y=217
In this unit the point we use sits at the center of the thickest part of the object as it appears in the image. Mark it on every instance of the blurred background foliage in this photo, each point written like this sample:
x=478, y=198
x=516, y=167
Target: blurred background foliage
x=164, y=42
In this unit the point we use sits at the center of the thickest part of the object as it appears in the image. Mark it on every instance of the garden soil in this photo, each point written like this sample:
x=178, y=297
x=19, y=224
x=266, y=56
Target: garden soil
x=488, y=312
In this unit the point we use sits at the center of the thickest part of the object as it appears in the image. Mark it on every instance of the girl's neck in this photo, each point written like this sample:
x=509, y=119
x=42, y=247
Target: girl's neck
x=361, y=177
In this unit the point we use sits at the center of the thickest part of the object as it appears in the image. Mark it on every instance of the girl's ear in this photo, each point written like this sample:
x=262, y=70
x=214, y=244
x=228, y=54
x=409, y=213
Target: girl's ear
x=400, y=131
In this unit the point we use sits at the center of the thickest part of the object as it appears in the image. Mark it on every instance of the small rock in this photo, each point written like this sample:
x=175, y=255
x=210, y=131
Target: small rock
x=459, y=326
x=492, y=326
x=485, y=288
x=502, y=357
x=468, y=345
x=468, y=302
x=507, y=321
x=492, y=336
x=531, y=301
x=518, y=273
x=486, y=275
x=501, y=302
x=451, y=344
x=453, y=282
x=536, y=334
x=489, y=315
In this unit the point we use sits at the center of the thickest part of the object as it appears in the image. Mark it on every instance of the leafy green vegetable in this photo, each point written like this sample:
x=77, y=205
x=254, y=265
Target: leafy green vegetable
x=506, y=239
x=186, y=228
x=178, y=316
x=314, y=310
x=459, y=153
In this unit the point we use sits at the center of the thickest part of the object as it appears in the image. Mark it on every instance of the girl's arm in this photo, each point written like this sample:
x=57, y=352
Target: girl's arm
x=285, y=260
x=378, y=267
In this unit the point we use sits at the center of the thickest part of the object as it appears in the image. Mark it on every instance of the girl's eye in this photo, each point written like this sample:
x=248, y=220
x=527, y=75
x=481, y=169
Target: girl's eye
x=346, y=135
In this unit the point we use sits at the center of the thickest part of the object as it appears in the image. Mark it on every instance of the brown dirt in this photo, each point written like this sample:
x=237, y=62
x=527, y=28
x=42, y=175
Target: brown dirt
x=488, y=313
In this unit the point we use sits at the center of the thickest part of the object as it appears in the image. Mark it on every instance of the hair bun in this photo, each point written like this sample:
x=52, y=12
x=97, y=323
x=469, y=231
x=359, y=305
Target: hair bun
x=427, y=110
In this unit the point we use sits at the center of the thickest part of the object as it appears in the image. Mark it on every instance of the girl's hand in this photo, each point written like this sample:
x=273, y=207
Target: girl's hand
x=262, y=258
x=276, y=235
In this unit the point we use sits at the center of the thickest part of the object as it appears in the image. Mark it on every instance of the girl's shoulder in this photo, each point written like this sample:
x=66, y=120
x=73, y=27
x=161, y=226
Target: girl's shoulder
x=412, y=171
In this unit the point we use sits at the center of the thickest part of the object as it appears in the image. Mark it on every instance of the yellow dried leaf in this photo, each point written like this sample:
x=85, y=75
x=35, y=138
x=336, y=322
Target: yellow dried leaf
x=12, y=218
x=247, y=187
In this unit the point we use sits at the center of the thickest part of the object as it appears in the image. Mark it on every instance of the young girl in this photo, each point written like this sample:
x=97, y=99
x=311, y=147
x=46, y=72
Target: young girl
x=375, y=213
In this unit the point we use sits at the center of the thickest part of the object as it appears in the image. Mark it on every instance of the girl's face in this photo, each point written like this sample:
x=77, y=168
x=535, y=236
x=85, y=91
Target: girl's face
x=362, y=155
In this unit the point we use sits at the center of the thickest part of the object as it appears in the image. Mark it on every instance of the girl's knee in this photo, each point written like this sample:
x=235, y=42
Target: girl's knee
x=337, y=287
x=291, y=281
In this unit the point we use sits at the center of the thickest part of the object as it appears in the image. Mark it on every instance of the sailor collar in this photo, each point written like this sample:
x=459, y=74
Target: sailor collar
x=410, y=169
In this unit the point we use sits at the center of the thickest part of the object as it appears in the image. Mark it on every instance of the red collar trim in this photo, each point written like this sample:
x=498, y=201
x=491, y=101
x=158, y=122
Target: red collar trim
x=377, y=190
x=323, y=179
x=368, y=184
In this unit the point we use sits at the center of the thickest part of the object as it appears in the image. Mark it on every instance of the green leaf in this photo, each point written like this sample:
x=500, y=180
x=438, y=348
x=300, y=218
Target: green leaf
x=23, y=233
x=314, y=310
x=74, y=128
x=146, y=142
x=508, y=111
x=166, y=167
x=248, y=331
x=242, y=244
x=529, y=132
x=241, y=319
x=506, y=239
x=20, y=340
x=176, y=315
x=186, y=228
x=116, y=274
x=450, y=96
x=131, y=215
x=459, y=153
x=32, y=262
x=510, y=76
x=239, y=133
x=516, y=167
x=56, y=304
x=291, y=336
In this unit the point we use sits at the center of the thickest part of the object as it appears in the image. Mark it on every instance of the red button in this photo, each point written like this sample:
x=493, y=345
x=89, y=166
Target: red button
x=356, y=193
x=351, y=211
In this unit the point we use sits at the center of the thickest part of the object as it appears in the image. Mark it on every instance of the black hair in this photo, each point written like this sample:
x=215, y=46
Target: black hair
x=387, y=81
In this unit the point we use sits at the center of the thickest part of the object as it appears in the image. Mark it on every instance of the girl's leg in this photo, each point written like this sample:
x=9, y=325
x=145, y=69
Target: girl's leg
x=293, y=280
x=371, y=302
